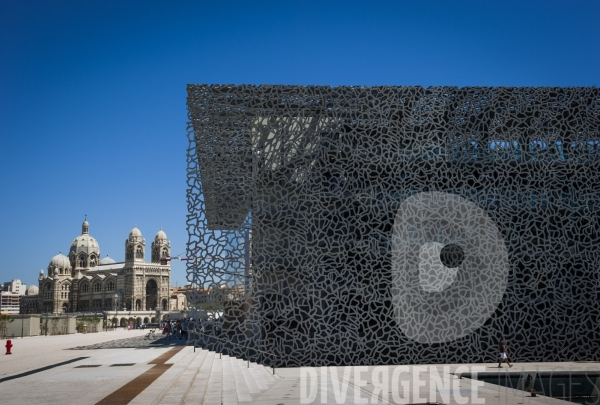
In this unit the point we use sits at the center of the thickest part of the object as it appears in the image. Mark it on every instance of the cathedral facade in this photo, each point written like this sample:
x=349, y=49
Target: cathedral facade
x=83, y=281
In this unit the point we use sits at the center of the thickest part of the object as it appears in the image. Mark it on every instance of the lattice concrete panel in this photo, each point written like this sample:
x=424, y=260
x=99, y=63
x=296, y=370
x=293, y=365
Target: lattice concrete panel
x=382, y=225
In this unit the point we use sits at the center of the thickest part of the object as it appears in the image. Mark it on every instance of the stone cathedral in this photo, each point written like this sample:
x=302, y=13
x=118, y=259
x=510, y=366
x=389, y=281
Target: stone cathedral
x=83, y=281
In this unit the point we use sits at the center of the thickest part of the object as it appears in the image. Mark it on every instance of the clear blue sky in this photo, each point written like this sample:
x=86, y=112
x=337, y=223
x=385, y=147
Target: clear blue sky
x=92, y=93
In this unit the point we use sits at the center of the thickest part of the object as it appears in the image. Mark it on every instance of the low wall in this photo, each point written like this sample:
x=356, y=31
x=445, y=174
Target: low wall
x=87, y=325
x=57, y=325
x=24, y=325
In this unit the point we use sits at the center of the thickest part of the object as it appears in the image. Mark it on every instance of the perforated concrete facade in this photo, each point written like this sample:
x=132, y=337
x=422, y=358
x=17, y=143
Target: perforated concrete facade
x=295, y=199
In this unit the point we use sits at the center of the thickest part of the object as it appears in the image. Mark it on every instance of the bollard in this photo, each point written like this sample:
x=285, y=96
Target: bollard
x=8, y=346
x=533, y=393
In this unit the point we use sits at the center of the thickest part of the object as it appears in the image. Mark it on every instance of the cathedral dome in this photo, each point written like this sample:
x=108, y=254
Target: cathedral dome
x=32, y=290
x=59, y=261
x=107, y=260
x=85, y=242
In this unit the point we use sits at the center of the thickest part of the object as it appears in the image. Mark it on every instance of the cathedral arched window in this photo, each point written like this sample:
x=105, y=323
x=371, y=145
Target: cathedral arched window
x=129, y=254
x=48, y=292
x=139, y=253
x=110, y=286
x=85, y=288
x=97, y=287
x=164, y=253
x=92, y=261
x=82, y=261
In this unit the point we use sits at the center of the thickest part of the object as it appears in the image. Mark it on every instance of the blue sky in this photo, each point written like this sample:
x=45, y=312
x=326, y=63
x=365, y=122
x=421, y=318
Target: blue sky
x=92, y=93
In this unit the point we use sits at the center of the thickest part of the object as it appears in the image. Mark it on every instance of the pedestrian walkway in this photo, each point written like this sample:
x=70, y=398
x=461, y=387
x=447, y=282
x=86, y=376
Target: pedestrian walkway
x=99, y=369
x=39, y=351
x=208, y=378
x=205, y=377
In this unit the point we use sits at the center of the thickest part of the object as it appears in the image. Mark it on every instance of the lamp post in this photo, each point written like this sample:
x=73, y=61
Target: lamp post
x=158, y=311
x=46, y=324
x=116, y=299
x=68, y=307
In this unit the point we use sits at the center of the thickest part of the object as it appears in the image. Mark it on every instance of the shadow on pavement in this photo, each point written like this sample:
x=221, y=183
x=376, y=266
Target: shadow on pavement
x=138, y=342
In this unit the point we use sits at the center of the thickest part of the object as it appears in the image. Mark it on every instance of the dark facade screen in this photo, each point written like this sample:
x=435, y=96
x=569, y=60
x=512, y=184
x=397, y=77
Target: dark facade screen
x=390, y=225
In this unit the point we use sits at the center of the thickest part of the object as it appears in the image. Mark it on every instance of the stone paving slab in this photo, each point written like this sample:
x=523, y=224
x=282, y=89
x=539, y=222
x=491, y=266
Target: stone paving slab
x=39, y=351
x=218, y=380
x=72, y=384
x=289, y=389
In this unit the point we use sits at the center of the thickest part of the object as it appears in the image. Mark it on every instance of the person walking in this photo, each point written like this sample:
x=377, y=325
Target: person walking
x=183, y=329
x=502, y=351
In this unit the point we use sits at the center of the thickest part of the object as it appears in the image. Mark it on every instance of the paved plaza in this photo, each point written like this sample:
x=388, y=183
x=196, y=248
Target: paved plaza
x=123, y=367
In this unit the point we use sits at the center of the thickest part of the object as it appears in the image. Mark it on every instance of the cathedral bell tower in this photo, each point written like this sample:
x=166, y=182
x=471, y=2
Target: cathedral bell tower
x=135, y=246
x=161, y=247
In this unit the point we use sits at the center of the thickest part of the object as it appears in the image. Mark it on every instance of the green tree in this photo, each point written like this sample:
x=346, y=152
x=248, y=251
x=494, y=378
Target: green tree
x=4, y=321
x=44, y=325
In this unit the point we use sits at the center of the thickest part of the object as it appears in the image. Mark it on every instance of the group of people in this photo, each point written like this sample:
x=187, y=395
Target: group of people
x=174, y=329
x=179, y=329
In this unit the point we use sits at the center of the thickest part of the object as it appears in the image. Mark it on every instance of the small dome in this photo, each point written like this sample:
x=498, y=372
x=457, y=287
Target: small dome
x=59, y=261
x=42, y=273
x=107, y=260
x=135, y=233
x=160, y=235
x=85, y=227
x=32, y=290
